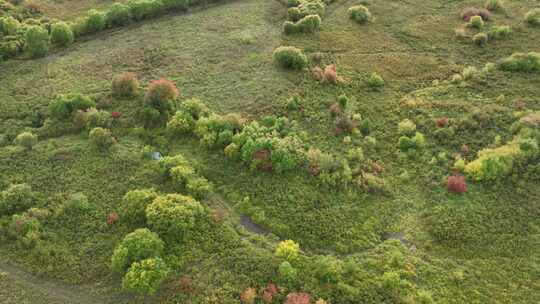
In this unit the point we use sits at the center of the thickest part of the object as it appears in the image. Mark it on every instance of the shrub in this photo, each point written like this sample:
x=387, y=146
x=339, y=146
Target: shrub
x=97, y=118
x=442, y=122
x=493, y=5
x=359, y=13
x=95, y=21
x=294, y=14
x=290, y=57
x=36, y=41
x=480, y=39
x=61, y=34
x=470, y=12
x=476, y=22
x=77, y=203
x=186, y=176
x=63, y=106
x=499, y=32
x=180, y=123
x=309, y=24
x=26, y=140
x=9, y=25
x=174, y=216
x=533, y=17
x=101, y=138
x=375, y=81
x=287, y=273
x=456, y=183
x=136, y=246
x=16, y=198
x=330, y=74
x=160, y=95
x=133, y=206
x=118, y=15
x=145, y=277
x=125, y=85
x=521, y=62
x=406, y=127
x=407, y=143
x=288, y=250
x=195, y=107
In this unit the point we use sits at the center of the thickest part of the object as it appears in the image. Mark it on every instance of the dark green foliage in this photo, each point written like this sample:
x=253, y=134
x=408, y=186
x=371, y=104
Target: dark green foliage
x=375, y=81
x=9, y=25
x=133, y=206
x=61, y=34
x=290, y=57
x=522, y=62
x=139, y=245
x=37, y=41
x=63, y=106
x=118, y=15
x=145, y=277
x=174, y=216
x=16, y=198
x=143, y=9
x=101, y=138
x=499, y=32
x=95, y=21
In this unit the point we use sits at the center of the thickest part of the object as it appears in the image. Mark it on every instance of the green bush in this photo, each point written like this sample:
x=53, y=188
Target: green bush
x=125, y=85
x=133, y=206
x=77, y=204
x=182, y=5
x=95, y=21
x=196, y=185
x=287, y=274
x=522, y=62
x=101, y=138
x=360, y=13
x=145, y=277
x=290, y=57
x=294, y=14
x=409, y=143
x=118, y=15
x=476, y=22
x=406, y=127
x=174, y=216
x=96, y=118
x=196, y=108
x=138, y=245
x=309, y=24
x=480, y=39
x=180, y=123
x=494, y=5
x=142, y=9
x=36, y=41
x=63, y=106
x=26, y=140
x=375, y=81
x=499, y=32
x=61, y=34
x=16, y=198
x=533, y=17
x=9, y=25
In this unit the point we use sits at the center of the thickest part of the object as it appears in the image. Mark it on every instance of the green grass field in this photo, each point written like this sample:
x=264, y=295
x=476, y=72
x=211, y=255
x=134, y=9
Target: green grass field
x=400, y=237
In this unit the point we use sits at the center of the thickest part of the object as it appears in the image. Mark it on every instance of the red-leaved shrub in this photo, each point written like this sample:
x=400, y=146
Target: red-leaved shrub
x=161, y=91
x=116, y=115
x=317, y=73
x=269, y=292
x=298, y=298
x=442, y=122
x=456, y=184
x=112, y=218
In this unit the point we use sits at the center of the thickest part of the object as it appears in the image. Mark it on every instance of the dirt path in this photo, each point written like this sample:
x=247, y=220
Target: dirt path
x=49, y=291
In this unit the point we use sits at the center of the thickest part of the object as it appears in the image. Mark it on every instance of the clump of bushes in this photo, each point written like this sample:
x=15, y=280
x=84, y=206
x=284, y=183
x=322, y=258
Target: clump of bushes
x=307, y=24
x=360, y=14
x=61, y=34
x=9, y=25
x=118, y=15
x=26, y=140
x=95, y=21
x=499, y=32
x=36, y=41
x=290, y=57
x=133, y=206
x=101, y=138
x=533, y=17
x=63, y=106
x=182, y=174
x=218, y=130
x=329, y=74
x=145, y=277
x=522, y=62
x=160, y=96
x=16, y=198
x=407, y=144
x=125, y=85
x=175, y=216
x=139, y=245
x=143, y=9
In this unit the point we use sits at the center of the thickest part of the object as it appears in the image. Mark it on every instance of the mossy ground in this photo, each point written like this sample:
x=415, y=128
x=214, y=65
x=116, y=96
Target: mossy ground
x=223, y=56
